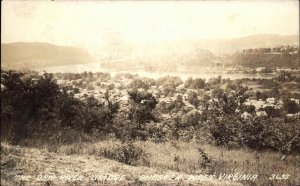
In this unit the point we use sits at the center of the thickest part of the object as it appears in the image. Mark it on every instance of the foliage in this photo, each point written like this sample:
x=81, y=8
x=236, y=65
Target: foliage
x=192, y=98
x=126, y=153
x=169, y=80
x=142, y=104
x=248, y=108
x=258, y=59
x=38, y=106
x=272, y=112
x=134, y=123
x=138, y=83
x=194, y=83
x=290, y=106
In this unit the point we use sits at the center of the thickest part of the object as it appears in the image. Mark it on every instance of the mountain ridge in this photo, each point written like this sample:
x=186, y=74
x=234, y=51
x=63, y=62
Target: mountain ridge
x=38, y=54
x=200, y=52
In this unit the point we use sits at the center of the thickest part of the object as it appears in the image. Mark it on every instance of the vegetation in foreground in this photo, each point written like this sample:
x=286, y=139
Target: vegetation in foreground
x=213, y=138
x=186, y=160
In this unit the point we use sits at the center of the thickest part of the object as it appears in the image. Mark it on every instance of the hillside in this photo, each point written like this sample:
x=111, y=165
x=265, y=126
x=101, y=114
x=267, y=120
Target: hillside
x=171, y=59
x=223, y=46
x=191, y=54
x=171, y=132
x=28, y=55
x=86, y=166
x=177, y=163
x=161, y=56
x=280, y=57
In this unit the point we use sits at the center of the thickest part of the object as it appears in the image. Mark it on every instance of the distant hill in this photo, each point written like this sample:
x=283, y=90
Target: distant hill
x=282, y=57
x=265, y=40
x=198, y=53
x=168, y=60
x=191, y=54
x=225, y=46
x=159, y=56
x=29, y=55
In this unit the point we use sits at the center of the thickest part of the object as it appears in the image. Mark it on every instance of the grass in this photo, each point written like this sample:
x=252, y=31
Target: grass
x=265, y=164
x=180, y=158
x=185, y=157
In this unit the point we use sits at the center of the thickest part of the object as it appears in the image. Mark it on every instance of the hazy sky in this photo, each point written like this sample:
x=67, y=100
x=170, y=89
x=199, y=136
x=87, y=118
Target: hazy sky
x=90, y=24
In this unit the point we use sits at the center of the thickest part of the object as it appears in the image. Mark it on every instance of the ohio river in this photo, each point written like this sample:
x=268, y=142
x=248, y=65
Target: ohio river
x=95, y=67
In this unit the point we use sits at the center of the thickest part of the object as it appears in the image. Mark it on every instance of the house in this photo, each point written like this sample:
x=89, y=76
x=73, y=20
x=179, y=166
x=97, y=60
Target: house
x=271, y=100
x=261, y=113
x=246, y=115
x=296, y=100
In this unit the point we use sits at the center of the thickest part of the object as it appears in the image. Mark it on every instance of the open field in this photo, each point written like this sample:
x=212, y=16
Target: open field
x=175, y=163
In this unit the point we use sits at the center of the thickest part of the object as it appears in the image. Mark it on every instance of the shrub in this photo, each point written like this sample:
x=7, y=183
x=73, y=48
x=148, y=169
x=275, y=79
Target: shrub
x=194, y=83
x=259, y=133
x=272, y=112
x=126, y=153
x=36, y=107
x=141, y=108
x=139, y=83
x=290, y=106
x=192, y=98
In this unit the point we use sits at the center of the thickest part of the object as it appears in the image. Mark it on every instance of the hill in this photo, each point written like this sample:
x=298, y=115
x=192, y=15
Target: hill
x=225, y=46
x=281, y=57
x=35, y=166
x=28, y=55
x=186, y=53
x=160, y=56
x=167, y=59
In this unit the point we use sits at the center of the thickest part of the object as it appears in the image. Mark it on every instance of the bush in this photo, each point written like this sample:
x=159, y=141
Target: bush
x=225, y=131
x=194, y=83
x=290, y=106
x=36, y=107
x=272, y=133
x=259, y=133
x=26, y=99
x=192, y=98
x=272, y=112
x=126, y=153
x=139, y=83
x=248, y=108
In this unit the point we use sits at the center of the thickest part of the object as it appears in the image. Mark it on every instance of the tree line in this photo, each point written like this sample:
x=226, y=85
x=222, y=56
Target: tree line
x=40, y=108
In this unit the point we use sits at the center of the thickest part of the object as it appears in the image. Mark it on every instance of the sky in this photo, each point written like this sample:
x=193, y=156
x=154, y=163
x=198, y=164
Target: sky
x=91, y=24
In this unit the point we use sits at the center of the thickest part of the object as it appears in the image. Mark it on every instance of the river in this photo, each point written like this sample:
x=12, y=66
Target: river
x=95, y=67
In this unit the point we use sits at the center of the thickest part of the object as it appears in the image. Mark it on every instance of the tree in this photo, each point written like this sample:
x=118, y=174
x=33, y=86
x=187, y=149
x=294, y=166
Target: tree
x=169, y=90
x=272, y=112
x=290, y=106
x=176, y=105
x=26, y=100
x=169, y=81
x=139, y=120
x=12, y=104
x=197, y=83
x=138, y=83
x=188, y=82
x=248, y=108
x=90, y=74
x=192, y=98
x=141, y=106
